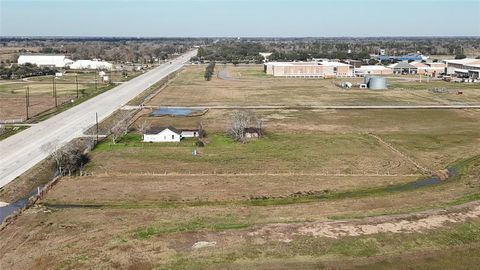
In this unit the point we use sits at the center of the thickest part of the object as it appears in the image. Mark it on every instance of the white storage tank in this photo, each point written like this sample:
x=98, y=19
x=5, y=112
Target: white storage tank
x=366, y=79
x=377, y=83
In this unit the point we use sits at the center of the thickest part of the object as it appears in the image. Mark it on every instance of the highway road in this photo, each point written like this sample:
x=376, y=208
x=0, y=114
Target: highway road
x=22, y=151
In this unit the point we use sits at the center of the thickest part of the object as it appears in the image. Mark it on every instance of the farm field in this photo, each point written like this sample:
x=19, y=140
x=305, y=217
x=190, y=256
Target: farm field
x=12, y=92
x=250, y=86
x=323, y=189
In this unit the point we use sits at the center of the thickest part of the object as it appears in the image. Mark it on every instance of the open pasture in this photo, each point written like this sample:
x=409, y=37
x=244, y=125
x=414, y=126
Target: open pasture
x=249, y=86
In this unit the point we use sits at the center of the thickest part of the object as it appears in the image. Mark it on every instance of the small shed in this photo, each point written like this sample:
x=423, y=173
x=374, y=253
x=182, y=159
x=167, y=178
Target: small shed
x=190, y=133
x=162, y=134
x=252, y=133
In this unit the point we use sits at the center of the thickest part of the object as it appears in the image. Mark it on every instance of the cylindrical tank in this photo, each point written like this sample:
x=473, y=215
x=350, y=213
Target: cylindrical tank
x=377, y=83
x=366, y=79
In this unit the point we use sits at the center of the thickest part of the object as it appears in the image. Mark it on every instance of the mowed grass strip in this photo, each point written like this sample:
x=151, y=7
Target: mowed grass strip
x=275, y=153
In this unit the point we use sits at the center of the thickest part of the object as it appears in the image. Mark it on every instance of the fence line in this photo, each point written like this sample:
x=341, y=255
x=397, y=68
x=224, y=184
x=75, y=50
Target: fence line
x=254, y=174
x=30, y=202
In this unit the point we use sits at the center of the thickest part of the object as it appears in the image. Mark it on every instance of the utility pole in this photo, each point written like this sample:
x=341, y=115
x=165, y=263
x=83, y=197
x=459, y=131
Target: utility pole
x=96, y=125
x=95, y=80
x=27, y=100
x=54, y=91
x=76, y=82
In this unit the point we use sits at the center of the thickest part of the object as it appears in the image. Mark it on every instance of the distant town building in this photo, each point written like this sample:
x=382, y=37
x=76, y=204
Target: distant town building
x=91, y=64
x=43, y=60
x=407, y=57
x=467, y=68
x=403, y=68
x=429, y=69
x=354, y=63
x=373, y=70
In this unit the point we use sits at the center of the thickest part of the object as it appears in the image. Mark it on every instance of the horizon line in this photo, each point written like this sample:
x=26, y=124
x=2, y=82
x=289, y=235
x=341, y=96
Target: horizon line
x=236, y=37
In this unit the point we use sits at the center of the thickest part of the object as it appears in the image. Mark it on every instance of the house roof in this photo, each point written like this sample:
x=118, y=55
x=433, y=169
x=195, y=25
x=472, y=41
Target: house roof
x=372, y=67
x=418, y=64
x=464, y=61
x=311, y=63
x=156, y=130
x=403, y=65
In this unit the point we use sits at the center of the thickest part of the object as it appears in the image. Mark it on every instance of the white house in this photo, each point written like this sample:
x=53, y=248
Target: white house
x=91, y=64
x=162, y=134
x=40, y=60
x=168, y=134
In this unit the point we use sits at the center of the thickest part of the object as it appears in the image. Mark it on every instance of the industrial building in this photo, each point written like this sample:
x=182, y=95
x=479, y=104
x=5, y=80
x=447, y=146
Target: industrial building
x=320, y=69
x=373, y=70
x=465, y=68
x=403, y=68
x=91, y=64
x=406, y=57
x=58, y=61
x=429, y=69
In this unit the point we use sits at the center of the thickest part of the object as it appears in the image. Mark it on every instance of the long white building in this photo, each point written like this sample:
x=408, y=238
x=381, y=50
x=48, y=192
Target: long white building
x=91, y=64
x=59, y=61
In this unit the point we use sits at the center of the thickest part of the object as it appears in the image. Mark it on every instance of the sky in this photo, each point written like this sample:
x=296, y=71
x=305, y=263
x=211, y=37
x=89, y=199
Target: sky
x=239, y=18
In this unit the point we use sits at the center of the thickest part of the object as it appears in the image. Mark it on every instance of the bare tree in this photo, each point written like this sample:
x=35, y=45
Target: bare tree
x=120, y=129
x=2, y=129
x=67, y=159
x=201, y=131
x=240, y=121
x=143, y=126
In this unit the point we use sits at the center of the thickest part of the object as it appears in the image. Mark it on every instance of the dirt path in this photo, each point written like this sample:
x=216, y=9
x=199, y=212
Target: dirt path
x=405, y=156
x=389, y=224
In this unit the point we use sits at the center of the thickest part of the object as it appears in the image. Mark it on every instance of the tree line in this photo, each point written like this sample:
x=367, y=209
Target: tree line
x=25, y=70
x=301, y=49
x=144, y=51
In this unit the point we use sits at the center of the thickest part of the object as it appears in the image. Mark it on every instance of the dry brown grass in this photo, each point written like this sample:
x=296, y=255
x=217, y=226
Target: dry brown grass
x=147, y=220
x=12, y=97
x=248, y=85
x=118, y=189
